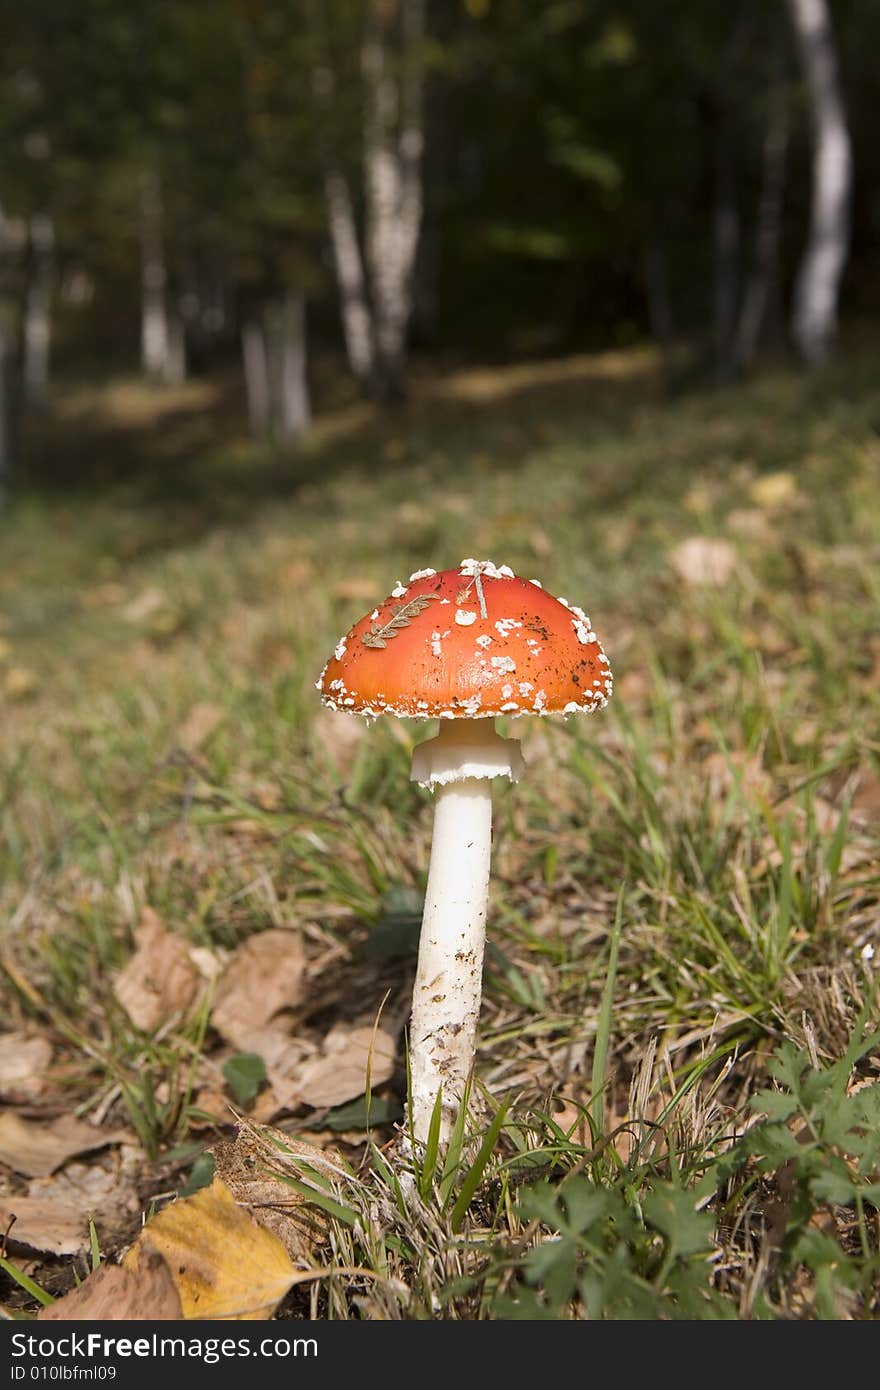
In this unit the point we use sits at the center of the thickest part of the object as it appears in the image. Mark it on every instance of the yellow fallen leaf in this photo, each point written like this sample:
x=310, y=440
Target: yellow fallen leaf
x=20, y=683
x=224, y=1264
x=776, y=490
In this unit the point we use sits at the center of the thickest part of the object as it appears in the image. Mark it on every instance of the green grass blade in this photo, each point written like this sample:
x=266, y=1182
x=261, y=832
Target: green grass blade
x=474, y=1175
x=603, y=1028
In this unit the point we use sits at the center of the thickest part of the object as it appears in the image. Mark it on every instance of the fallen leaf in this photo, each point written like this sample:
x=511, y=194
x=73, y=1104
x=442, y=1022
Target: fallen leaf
x=224, y=1264
x=198, y=726
x=5, y=649
x=41, y=1223
x=245, y=1165
x=776, y=490
x=115, y=1293
x=750, y=523
x=144, y=605
x=264, y=976
x=24, y=1058
x=160, y=980
x=20, y=683
x=866, y=802
x=699, y=560
x=37, y=1148
x=340, y=1072
x=103, y=595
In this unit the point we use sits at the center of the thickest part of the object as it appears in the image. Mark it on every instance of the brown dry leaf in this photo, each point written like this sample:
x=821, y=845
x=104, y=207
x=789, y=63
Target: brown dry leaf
x=245, y=1163
x=340, y=737
x=114, y=1293
x=144, y=605
x=41, y=1223
x=866, y=802
x=700, y=560
x=340, y=1072
x=36, y=1148
x=750, y=523
x=24, y=1058
x=160, y=980
x=264, y=976
x=198, y=726
x=224, y=1264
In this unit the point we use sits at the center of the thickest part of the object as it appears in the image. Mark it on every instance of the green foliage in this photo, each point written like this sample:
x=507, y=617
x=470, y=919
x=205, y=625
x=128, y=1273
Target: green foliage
x=245, y=1073
x=631, y=1243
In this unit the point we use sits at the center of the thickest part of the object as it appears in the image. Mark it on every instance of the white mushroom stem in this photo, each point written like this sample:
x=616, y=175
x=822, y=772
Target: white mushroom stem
x=460, y=763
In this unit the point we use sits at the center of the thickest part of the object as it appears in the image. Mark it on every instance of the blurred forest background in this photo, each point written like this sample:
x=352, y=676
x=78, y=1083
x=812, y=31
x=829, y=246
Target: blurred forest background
x=291, y=191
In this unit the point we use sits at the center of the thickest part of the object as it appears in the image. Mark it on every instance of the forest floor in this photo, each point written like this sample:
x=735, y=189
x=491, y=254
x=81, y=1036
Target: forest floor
x=692, y=1133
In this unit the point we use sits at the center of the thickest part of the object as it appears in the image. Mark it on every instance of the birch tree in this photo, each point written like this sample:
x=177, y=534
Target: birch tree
x=375, y=273
x=814, y=315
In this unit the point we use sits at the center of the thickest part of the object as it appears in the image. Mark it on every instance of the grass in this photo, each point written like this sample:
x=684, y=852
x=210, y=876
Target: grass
x=164, y=614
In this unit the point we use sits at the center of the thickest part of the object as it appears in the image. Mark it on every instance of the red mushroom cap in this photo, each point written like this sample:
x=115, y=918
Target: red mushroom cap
x=472, y=642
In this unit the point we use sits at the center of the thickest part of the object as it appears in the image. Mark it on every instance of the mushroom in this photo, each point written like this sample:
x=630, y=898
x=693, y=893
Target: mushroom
x=462, y=646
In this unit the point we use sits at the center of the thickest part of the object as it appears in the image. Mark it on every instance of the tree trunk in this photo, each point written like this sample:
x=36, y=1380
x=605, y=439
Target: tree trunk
x=393, y=145
x=175, y=366
x=727, y=258
x=293, y=410
x=814, y=316
x=657, y=292
x=357, y=325
x=37, y=324
x=155, y=332
x=6, y=357
x=8, y=354
x=357, y=318
x=255, y=358
x=764, y=276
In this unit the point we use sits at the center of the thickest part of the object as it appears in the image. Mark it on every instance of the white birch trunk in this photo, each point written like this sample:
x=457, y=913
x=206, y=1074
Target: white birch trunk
x=814, y=316
x=175, y=366
x=393, y=146
x=255, y=359
x=294, y=409
x=763, y=277
x=155, y=334
x=37, y=325
x=357, y=326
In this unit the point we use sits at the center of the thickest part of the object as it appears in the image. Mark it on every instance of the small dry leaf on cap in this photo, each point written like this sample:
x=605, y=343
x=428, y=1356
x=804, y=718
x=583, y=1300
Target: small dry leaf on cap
x=246, y=1165
x=37, y=1147
x=339, y=1073
x=160, y=980
x=700, y=560
x=24, y=1058
x=114, y=1293
x=264, y=976
x=224, y=1264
